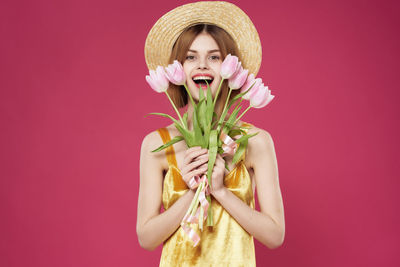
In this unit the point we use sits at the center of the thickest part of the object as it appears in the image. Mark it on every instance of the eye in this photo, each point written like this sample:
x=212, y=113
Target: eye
x=215, y=57
x=189, y=57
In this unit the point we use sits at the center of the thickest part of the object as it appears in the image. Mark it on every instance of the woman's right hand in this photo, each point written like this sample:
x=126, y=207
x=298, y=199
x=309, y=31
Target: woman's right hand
x=195, y=162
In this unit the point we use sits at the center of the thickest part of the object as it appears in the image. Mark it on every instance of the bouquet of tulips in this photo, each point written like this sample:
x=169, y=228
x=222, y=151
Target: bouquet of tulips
x=215, y=134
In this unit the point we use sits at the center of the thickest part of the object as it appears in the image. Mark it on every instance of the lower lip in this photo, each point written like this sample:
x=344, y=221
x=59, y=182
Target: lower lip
x=203, y=86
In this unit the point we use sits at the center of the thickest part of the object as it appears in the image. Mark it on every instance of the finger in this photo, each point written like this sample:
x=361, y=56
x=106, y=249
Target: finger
x=204, y=165
x=198, y=171
x=191, y=149
x=197, y=163
x=219, y=158
x=197, y=153
x=219, y=165
x=220, y=162
x=206, y=155
x=189, y=157
x=194, y=165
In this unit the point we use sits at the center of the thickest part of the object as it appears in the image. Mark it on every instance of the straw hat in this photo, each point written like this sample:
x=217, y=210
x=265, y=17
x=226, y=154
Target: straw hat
x=232, y=19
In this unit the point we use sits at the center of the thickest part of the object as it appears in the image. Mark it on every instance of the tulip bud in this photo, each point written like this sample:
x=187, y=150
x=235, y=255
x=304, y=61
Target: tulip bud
x=267, y=99
x=257, y=83
x=229, y=66
x=158, y=80
x=261, y=97
x=175, y=73
x=249, y=81
x=238, y=79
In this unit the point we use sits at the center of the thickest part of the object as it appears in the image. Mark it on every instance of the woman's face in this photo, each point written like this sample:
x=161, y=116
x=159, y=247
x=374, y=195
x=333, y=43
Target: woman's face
x=203, y=59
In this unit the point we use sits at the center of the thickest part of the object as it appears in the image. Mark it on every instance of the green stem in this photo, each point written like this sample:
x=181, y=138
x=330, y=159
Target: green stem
x=177, y=112
x=223, y=112
x=241, y=115
x=194, y=201
x=190, y=96
x=200, y=187
x=219, y=88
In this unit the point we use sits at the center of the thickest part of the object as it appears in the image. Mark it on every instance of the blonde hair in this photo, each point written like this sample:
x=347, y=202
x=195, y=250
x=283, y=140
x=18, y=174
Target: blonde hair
x=179, y=51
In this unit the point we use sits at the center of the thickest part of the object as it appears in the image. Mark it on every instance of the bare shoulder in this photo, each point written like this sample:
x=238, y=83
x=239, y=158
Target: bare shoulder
x=150, y=142
x=261, y=137
x=258, y=144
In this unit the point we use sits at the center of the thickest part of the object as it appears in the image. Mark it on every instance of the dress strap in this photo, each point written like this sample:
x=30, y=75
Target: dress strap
x=169, y=151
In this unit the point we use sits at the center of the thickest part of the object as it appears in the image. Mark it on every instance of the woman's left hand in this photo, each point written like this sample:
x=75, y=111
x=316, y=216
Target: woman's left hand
x=218, y=174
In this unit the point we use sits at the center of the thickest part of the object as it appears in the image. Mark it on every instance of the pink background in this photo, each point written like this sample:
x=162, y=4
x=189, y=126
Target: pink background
x=73, y=100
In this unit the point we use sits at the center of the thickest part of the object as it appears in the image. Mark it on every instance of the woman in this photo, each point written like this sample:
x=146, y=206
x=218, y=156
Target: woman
x=164, y=176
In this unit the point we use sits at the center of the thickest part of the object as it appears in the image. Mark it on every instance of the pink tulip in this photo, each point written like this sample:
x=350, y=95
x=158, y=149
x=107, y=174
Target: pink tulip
x=267, y=99
x=239, y=65
x=158, y=80
x=175, y=73
x=261, y=97
x=238, y=79
x=257, y=84
x=250, y=80
x=229, y=66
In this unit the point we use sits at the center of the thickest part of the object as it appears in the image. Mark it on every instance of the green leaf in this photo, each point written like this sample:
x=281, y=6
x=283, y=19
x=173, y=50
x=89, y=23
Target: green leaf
x=184, y=118
x=245, y=137
x=234, y=132
x=182, y=130
x=190, y=140
x=201, y=108
x=164, y=115
x=174, y=140
x=210, y=105
x=223, y=115
x=208, y=114
x=242, y=129
x=202, y=115
x=232, y=119
x=212, y=156
x=239, y=152
x=201, y=94
x=198, y=135
x=207, y=136
x=214, y=123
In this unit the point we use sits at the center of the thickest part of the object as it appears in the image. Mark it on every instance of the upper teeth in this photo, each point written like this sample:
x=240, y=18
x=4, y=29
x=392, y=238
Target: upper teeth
x=202, y=78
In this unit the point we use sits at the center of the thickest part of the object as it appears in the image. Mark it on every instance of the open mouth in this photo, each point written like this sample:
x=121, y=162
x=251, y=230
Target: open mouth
x=202, y=82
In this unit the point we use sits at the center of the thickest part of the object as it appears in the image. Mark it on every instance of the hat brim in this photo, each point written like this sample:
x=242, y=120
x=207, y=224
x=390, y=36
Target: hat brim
x=232, y=19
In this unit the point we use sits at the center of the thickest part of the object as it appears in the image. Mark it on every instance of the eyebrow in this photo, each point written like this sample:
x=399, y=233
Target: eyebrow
x=209, y=51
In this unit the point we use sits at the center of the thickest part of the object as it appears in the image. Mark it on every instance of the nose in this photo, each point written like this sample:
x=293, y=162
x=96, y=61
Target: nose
x=203, y=63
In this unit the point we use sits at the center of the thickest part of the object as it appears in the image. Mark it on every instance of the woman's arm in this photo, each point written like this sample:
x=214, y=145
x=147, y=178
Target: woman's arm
x=267, y=226
x=152, y=227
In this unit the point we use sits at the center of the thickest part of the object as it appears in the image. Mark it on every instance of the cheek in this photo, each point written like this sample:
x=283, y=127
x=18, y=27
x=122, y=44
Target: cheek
x=187, y=74
x=217, y=69
x=187, y=69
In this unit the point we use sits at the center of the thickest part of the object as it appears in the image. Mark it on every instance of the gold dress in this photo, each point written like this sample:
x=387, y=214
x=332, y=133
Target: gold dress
x=224, y=244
